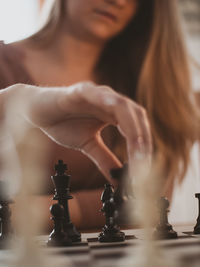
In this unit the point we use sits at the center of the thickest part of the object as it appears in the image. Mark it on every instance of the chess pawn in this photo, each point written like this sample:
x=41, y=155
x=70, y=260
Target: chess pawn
x=61, y=182
x=58, y=237
x=164, y=230
x=197, y=226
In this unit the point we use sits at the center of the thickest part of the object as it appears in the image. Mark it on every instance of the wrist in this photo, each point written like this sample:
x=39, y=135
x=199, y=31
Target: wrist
x=3, y=100
x=14, y=107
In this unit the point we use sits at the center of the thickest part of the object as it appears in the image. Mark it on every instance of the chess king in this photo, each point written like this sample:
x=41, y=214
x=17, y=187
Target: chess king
x=61, y=182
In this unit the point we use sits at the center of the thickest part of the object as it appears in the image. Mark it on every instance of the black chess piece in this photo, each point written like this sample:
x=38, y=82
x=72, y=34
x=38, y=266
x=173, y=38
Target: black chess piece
x=123, y=195
x=61, y=182
x=164, y=230
x=111, y=231
x=197, y=226
x=5, y=217
x=58, y=238
x=107, y=193
x=123, y=190
x=118, y=174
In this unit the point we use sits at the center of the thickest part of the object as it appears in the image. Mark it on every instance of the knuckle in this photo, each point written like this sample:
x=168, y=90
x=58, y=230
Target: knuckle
x=113, y=99
x=85, y=85
x=122, y=101
x=105, y=88
x=83, y=89
x=143, y=111
x=88, y=83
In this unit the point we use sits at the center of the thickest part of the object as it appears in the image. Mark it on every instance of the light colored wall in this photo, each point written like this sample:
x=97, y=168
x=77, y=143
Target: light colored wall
x=184, y=206
x=18, y=18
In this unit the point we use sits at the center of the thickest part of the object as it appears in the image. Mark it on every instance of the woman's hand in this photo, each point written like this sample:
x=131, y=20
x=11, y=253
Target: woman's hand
x=74, y=117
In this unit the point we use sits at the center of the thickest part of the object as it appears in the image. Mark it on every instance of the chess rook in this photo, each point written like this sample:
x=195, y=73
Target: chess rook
x=61, y=182
x=197, y=226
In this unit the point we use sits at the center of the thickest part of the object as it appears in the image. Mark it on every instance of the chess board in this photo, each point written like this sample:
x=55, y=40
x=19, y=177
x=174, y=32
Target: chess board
x=183, y=251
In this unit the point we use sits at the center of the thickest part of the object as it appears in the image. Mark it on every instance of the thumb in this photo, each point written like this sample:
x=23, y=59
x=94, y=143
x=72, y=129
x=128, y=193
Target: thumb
x=102, y=156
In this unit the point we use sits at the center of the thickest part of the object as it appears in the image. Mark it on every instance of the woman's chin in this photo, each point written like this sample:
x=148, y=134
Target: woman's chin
x=102, y=35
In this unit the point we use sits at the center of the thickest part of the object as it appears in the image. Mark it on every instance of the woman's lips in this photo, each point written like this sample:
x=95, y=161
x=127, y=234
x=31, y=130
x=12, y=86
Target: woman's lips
x=106, y=15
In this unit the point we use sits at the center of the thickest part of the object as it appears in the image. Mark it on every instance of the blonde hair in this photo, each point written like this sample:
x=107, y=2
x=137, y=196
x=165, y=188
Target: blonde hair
x=165, y=90
x=52, y=15
x=153, y=70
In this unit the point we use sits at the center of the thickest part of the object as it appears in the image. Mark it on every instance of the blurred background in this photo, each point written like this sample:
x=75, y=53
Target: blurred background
x=21, y=18
x=18, y=18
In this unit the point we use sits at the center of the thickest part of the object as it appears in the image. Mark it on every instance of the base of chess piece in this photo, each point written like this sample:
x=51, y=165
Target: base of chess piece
x=197, y=226
x=111, y=234
x=5, y=241
x=165, y=232
x=61, y=240
x=71, y=231
x=197, y=229
x=58, y=238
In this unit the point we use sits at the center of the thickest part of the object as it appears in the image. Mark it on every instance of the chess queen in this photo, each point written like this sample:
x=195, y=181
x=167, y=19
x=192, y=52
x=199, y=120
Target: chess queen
x=133, y=47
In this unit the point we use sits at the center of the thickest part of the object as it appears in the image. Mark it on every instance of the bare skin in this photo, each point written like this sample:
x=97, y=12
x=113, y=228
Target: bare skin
x=61, y=70
x=73, y=46
x=84, y=108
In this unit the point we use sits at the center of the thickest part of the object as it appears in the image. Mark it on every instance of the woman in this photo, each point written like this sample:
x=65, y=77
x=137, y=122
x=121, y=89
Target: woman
x=136, y=48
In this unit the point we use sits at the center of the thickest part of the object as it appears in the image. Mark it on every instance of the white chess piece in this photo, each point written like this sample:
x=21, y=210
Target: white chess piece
x=26, y=154
x=146, y=188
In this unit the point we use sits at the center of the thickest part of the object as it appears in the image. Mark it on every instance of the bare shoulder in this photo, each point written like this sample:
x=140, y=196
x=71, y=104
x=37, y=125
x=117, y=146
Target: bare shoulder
x=23, y=46
x=12, y=67
x=33, y=58
x=18, y=44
